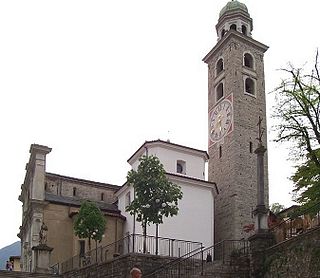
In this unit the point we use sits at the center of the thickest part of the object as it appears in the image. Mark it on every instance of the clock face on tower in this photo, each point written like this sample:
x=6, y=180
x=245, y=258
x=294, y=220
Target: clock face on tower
x=220, y=120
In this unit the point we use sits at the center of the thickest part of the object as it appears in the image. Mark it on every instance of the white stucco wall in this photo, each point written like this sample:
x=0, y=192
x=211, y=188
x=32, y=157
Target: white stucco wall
x=195, y=164
x=194, y=221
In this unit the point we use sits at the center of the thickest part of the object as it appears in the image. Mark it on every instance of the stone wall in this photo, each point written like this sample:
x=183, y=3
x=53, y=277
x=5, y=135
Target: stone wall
x=296, y=257
x=17, y=274
x=120, y=267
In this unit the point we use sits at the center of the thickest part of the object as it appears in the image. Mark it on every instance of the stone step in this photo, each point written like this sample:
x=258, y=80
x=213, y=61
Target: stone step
x=18, y=274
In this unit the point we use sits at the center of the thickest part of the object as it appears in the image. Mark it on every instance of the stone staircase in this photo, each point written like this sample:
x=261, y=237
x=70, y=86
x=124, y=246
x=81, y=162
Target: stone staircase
x=219, y=270
x=18, y=274
x=215, y=269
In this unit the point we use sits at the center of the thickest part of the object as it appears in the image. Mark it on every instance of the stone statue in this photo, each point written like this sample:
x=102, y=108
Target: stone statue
x=43, y=234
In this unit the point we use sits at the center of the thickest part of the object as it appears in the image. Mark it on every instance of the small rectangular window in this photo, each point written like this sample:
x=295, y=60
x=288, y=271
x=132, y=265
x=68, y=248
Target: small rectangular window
x=181, y=167
x=102, y=197
x=220, y=151
x=250, y=147
x=128, y=199
x=74, y=193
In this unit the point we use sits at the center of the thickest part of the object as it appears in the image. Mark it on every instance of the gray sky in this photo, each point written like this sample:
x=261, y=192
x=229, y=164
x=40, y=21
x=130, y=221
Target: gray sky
x=95, y=79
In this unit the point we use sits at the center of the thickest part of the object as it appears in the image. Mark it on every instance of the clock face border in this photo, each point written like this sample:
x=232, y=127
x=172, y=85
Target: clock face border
x=218, y=111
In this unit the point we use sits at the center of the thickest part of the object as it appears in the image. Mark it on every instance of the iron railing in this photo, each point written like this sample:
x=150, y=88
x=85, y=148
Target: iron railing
x=131, y=244
x=201, y=260
x=297, y=222
x=55, y=268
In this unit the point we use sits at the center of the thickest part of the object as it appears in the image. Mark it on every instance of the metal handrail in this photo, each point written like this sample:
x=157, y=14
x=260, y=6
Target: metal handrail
x=134, y=243
x=195, y=261
x=295, y=224
x=173, y=262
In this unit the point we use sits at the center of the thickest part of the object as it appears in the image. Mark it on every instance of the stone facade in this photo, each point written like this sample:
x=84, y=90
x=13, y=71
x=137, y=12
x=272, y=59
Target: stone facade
x=55, y=200
x=294, y=258
x=232, y=163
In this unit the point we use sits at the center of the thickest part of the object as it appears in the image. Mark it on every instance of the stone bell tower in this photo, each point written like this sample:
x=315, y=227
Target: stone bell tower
x=236, y=100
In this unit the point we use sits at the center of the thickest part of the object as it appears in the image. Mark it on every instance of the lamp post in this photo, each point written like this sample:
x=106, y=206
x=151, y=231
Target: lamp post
x=158, y=206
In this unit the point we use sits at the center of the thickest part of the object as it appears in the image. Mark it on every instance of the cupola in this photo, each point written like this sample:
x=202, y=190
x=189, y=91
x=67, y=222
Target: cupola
x=234, y=16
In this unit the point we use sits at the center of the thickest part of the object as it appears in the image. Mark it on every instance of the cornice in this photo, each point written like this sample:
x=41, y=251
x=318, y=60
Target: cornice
x=193, y=181
x=231, y=34
x=81, y=181
x=167, y=145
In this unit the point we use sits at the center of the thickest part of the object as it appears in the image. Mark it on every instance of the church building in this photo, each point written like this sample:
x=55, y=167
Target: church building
x=211, y=210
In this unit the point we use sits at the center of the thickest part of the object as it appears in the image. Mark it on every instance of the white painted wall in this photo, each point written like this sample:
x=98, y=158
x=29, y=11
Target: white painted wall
x=195, y=164
x=194, y=221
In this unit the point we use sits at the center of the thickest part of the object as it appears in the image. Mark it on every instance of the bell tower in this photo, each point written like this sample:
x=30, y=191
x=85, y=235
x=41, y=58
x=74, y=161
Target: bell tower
x=236, y=100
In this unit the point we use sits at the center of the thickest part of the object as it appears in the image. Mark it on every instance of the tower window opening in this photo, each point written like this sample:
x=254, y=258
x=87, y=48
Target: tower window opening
x=219, y=92
x=181, y=167
x=220, y=151
x=223, y=32
x=219, y=67
x=249, y=86
x=74, y=191
x=250, y=147
x=248, y=60
x=244, y=29
x=102, y=197
x=233, y=27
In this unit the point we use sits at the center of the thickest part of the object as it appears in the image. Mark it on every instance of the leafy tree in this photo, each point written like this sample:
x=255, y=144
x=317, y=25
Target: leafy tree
x=276, y=208
x=307, y=185
x=90, y=222
x=155, y=196
x=298, y=111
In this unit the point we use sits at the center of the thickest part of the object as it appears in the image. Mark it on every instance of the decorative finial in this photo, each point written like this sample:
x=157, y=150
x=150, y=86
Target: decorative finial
x=168, y=140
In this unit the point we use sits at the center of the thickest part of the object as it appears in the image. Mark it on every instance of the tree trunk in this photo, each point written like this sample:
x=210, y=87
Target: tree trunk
x=144, y=237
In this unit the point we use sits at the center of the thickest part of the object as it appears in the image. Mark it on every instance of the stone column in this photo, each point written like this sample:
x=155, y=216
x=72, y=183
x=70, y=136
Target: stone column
x=37, y=165
x=262, y=239
x=261, y=212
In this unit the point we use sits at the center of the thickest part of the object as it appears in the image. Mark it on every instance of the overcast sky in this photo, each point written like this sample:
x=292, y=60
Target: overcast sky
x=94, y=79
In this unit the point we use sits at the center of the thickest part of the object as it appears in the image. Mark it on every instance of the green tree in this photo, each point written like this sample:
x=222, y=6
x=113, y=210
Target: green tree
x=155, y=196
x=298, y=112
x=276, y=208
x=90, y=222
x=307, y=185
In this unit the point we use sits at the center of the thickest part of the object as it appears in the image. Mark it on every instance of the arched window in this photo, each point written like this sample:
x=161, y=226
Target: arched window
x=244, y=29
x=223, y=32
x=219, y=91
x=248, y=60
x=219, y=66
x=249, y=86
x=233, y=27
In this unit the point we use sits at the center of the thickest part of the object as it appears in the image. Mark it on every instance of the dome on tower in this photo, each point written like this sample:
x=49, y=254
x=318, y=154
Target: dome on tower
x=232, y=6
